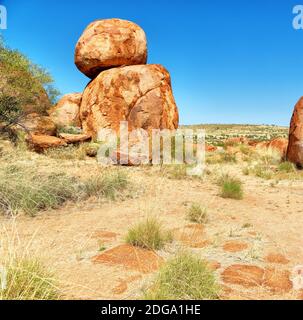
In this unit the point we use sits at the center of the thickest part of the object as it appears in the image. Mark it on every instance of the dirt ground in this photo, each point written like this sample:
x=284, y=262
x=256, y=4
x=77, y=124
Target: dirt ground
x=84, y=244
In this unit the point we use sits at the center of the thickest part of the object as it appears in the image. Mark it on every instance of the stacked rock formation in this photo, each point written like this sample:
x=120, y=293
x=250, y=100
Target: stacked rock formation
x=113, y=54
x=295, y=145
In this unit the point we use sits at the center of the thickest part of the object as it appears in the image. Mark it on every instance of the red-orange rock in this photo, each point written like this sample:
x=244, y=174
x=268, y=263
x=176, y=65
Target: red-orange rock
x=235, y=246
x=295, y=147
x=276, y=258
x=278, y=144
x=130, y=257
x=277, y=280
x=244, y=275
x=141, y=95
x=66, y=112
x=253, y=276
x=209, y=148
x=110, y=43
x=74, y=138
x=39, y=143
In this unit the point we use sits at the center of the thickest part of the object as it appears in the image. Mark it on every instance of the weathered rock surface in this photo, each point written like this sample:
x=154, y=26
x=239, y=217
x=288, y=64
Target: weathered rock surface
x=66, y=112
x=40, y=143
x=39, y=125
x=141, y=95
x=110, y=43
x=253, y=276
x=295, y=146
x=74, y=138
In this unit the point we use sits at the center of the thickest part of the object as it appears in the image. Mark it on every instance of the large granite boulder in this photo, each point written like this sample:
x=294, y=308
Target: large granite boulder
x=141, y=95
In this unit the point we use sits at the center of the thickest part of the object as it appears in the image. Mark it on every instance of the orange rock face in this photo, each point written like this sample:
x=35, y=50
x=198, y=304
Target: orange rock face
x=141, y=95
x=110, y=43
x=66, y=112
x=39, y=143
x=295, y=147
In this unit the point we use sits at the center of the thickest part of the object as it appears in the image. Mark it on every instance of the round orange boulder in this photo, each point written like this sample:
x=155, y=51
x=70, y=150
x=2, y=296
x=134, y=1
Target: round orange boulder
x=110, y=43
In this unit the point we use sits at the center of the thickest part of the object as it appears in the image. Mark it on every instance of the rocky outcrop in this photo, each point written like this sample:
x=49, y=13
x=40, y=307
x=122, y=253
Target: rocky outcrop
x=110, y=43
x=141, y=95
x=295, y=147
x=66, y=112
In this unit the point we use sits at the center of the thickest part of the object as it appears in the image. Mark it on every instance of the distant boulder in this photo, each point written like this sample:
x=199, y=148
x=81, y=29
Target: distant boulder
x=66, y=112
x=295, y=147
x=278, y=144
x=37, y=124
x=110, y=43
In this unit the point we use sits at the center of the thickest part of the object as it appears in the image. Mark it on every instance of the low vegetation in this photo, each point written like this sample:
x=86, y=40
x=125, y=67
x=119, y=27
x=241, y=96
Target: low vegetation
x=28, y=279
x=185, y=277
x=23, y=189
x=149, y=234
x=197, y=214
x=231, y=187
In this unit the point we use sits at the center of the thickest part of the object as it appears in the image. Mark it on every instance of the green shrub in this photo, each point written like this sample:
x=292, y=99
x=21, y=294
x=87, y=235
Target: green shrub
x=28, y=279
x=185, y=277
x=148, y=234
x=107, y=185
x=287, y=167
x=197, y=214
x=231, y=188
x=24, y=87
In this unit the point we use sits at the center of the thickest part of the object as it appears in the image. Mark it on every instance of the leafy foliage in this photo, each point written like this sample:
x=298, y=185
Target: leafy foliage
x=24, y=86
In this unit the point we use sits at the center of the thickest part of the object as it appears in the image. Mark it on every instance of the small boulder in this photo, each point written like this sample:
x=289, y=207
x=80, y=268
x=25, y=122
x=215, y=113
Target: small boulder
x=40, y=143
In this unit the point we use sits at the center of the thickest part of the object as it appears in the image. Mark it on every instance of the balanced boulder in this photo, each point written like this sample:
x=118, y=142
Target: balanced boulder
x=66, y=112
x=141, y=95
x=110, y=43
x=295, y=146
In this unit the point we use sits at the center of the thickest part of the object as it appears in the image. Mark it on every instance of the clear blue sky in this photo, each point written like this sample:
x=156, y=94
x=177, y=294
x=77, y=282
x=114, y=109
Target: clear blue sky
x=237, y=61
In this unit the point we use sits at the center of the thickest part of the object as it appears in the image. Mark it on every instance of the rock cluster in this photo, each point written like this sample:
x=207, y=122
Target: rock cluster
x=113, y=54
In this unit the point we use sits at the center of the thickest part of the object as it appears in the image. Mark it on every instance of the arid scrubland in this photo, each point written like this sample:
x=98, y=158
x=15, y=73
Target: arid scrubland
x=150, y=232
